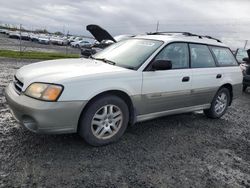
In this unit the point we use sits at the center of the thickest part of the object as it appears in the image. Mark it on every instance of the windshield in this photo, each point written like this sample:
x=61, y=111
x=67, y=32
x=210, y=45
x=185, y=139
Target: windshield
x=131, y=53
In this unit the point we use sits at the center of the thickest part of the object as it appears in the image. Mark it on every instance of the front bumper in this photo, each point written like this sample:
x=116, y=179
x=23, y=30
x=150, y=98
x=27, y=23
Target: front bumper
x=246, y=80
x=44, y=117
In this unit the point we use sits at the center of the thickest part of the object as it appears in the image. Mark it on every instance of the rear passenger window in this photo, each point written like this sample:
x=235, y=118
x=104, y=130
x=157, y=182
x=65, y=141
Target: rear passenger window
x=177, y=53
x=224, y=56
x=201, y=56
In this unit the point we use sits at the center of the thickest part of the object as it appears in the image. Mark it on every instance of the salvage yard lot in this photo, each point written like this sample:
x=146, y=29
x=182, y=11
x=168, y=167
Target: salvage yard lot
x=14, y=44
x=186, y=150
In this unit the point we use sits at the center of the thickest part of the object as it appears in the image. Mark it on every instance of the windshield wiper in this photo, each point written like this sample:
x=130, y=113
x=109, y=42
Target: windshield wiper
x=112, y=63
x=103, y=60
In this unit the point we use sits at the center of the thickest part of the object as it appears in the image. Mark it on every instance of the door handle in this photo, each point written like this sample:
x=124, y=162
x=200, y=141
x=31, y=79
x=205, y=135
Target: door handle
x=218, y=76
x=185, y=79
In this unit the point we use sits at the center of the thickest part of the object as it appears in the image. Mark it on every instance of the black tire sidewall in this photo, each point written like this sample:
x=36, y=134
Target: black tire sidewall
x=85, y=121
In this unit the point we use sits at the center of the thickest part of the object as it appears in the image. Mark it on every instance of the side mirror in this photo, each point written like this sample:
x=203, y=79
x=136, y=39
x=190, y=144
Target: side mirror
x=162, y=65
x=245, y=59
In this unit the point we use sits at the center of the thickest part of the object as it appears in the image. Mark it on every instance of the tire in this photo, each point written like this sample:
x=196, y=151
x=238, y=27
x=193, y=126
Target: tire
x=214, y=112
x=244, y=88
x=95, y=126
x=77, y=46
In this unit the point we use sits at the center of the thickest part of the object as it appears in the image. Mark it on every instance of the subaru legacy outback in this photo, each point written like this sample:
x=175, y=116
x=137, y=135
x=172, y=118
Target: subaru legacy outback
x=134, y=80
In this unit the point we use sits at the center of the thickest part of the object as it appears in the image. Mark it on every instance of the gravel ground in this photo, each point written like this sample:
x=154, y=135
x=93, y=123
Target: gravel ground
x=14, y=44
x=186, y=150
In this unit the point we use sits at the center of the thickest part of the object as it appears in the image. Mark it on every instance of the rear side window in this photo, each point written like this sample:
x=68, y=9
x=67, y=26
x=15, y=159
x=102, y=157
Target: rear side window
x=201, y=56
x=224, y=56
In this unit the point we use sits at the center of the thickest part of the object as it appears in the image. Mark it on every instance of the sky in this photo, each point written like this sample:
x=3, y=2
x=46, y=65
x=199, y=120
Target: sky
x=228, y=20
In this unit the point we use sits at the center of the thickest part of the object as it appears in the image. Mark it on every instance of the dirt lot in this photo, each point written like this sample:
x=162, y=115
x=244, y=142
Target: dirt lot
x=186, y=150
x=14, y=44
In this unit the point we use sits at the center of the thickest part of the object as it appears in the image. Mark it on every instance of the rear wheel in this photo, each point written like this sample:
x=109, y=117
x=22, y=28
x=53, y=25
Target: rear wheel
x=104, y=121
x=219, y=104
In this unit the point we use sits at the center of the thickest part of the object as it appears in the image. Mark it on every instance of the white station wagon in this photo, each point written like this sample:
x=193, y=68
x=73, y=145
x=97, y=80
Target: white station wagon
x=138, y=79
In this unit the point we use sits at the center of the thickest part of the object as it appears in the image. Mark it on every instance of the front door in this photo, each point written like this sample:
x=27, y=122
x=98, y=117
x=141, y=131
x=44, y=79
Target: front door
x=165, y=90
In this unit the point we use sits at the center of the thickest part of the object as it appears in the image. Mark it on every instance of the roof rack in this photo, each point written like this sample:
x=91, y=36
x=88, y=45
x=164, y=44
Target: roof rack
x=183, y=33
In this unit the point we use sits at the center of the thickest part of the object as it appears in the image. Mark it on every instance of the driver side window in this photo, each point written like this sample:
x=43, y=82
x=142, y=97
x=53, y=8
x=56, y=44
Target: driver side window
x=177, y=53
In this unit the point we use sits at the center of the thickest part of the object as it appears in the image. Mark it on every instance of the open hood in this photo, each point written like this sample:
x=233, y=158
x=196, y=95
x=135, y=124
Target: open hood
x=99, y=33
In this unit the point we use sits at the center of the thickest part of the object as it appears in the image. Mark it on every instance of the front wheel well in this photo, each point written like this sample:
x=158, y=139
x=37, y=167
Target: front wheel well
x=230, y=88
x=124, y=96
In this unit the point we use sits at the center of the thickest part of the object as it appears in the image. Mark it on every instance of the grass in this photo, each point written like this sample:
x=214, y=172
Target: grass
x=36, y=55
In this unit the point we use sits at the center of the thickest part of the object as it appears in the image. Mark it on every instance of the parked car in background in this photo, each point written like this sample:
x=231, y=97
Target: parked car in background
x=80, y=44
x=103, y=40
x=58, y=40
x=25, y=36
x=243, y=57
x=44, y=39
x=71, y=39
x=34, y=37
x=14, y=34
x=3, y=31
x=134, y=80
x=76, y=39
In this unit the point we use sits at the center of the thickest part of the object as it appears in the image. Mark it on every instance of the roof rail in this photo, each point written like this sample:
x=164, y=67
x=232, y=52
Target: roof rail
x=212, y=38
x=183, y=33
x=166, y=32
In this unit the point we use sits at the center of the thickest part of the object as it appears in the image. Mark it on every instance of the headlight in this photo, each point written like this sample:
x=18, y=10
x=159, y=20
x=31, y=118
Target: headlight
x=42, y=91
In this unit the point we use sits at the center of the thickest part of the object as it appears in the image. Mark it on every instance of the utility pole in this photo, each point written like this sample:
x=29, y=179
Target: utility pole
x=67, y=41
x=157, y=26
x=20, y=40
x=245, y=44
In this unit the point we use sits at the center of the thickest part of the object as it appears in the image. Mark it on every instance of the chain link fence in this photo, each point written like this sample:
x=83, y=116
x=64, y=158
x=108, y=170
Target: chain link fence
x=22, y=40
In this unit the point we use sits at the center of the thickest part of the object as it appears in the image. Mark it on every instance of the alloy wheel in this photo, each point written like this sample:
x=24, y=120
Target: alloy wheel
x=107, y=121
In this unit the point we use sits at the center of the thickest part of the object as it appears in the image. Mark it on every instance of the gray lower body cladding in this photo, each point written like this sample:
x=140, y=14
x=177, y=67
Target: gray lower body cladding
x=150, y=106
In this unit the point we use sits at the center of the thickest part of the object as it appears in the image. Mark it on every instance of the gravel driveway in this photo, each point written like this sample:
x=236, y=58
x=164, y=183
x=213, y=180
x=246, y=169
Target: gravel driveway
x=186, y=150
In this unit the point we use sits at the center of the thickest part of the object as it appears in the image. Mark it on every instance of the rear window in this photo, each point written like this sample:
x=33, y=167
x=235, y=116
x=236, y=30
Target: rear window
x=224, y=56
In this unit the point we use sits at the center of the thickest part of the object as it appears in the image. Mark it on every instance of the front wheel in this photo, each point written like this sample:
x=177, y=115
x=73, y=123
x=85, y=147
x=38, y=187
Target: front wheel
x=219, y=104
x=104, y=121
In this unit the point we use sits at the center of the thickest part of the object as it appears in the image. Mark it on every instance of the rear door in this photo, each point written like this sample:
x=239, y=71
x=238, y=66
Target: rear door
x=207, y=77
x=165, y=90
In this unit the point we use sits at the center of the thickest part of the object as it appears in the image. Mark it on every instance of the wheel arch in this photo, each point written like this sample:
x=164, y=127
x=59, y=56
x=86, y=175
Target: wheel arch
x=123, y=95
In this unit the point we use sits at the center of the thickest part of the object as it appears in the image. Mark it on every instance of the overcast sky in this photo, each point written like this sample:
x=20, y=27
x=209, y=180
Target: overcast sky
x=226, y=19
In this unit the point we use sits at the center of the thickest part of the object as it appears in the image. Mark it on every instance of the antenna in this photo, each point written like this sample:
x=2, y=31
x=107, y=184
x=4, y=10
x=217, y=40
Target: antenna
x=157, y=26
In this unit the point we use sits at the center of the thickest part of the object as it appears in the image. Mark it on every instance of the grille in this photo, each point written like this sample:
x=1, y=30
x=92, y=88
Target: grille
x=18, y=85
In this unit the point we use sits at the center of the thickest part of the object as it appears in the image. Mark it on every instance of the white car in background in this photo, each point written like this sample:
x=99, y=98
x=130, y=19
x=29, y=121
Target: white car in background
x=14, y=34
x=80, y=44
x=134, y=80
x=58, y=40
x=44, y=39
